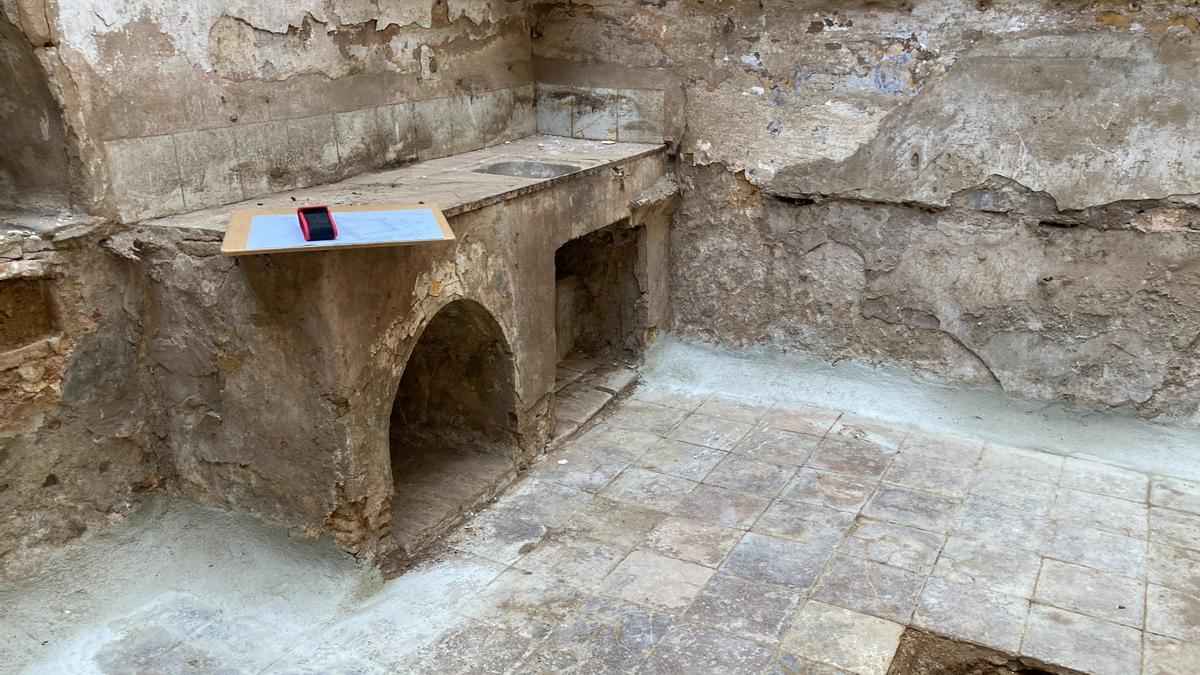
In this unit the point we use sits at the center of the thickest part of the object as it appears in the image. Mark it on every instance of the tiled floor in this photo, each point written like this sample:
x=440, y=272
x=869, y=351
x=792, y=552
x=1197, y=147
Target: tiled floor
x=703, y=535
x=700, y=535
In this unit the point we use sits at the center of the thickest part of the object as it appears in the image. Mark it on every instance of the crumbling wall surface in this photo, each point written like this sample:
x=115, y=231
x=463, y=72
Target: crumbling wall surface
x=34, y=167
x=987, y=192
x=180, y=106
x=75, y=450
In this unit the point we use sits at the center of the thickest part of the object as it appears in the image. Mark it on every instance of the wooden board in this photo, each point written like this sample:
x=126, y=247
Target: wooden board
x=359, y=226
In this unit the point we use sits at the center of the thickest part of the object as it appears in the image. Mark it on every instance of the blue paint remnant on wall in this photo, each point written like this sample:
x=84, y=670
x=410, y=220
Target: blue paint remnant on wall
x=798, y=78
x=780, y=98
x=774, y=127
x=890, y=74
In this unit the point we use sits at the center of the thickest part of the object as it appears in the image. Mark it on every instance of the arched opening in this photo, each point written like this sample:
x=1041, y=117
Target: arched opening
x=453, y=424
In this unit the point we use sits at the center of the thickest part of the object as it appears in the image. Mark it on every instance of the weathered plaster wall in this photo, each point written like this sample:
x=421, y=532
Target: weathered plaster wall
x=34, y=167
x=183, y=106
x=990, y=192
x=75, y=450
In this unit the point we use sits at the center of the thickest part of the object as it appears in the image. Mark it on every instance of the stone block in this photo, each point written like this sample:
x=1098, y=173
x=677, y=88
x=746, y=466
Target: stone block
x=1081, y=642
x=208, y=167
x=855, y=642
x=691, y=540
x=972, y=613
x=145, y=177
x=834, y=490
x=640, y=115
x=653, y=580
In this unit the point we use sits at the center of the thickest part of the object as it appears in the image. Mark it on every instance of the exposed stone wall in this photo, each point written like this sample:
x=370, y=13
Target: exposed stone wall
x=75, y=450
x=183, y=106
x=990, y=192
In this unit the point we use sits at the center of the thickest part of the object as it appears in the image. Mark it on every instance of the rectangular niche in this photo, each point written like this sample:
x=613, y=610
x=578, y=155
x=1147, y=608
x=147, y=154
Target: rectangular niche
x=26, y=313
x=599, y=310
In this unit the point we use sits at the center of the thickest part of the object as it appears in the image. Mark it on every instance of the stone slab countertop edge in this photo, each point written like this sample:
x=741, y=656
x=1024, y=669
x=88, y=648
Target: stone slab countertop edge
x=450, y=182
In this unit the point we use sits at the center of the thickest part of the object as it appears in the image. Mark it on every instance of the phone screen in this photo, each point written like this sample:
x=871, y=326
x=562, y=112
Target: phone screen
x=320, y=226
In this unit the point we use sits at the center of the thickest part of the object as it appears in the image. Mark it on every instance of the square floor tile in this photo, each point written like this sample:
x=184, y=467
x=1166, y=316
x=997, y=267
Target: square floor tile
x=1168, y=656
x=853, y=641
x=779, y=561
x=1102, y=479
x=922, y=510
x=614, y=443
x=666, y=396
x=1081, y=642
x=725, y=507
x=738, y=472
x=1172, y=613
x=694, y=541
x=1177, y=528
x=642, y=416
x=621, y=525
x=577, y=469
x=688, y=650
x=790, y=664
x=746, y=608
x=525, y=603
x=677, y=458
x=1174, y=567
x=835, y=490
x=1173, y=493
x=652, y=580
x=850, y=456
x=972, y=613
x=1015, y=492
x=809, y=523
x=749, y=412
x=1104, y=551
x=648, y=489
x=711, y=432
x=981, y=520
x=1086, y=509
x=896, y=545
x=584, y=562
x=1100, y=594
x=869, y=587
x=498, y=535
x=801, y=419
x=602, y=635
x=775, y=445
x=476, y=647
x=541, y=500
x=1003, y=570
x=926, y=473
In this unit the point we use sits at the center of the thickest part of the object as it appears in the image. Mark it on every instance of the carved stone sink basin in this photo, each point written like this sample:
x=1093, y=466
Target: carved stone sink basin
x=524, y=168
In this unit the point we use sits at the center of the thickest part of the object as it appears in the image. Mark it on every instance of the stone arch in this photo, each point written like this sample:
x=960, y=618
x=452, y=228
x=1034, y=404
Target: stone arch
x=452, y=436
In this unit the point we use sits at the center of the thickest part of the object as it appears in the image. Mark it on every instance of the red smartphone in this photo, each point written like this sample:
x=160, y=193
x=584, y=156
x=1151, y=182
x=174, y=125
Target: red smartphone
x=316, y=222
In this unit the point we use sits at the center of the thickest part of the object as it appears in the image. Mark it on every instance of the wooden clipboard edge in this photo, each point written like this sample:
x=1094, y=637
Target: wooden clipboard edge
x=237, y=233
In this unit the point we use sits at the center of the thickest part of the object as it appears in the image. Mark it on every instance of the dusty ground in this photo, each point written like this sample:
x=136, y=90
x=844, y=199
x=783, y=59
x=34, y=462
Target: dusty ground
x=688, y=532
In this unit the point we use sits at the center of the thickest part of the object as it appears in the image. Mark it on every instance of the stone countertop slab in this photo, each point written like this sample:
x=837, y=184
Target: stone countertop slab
x=450, y=182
